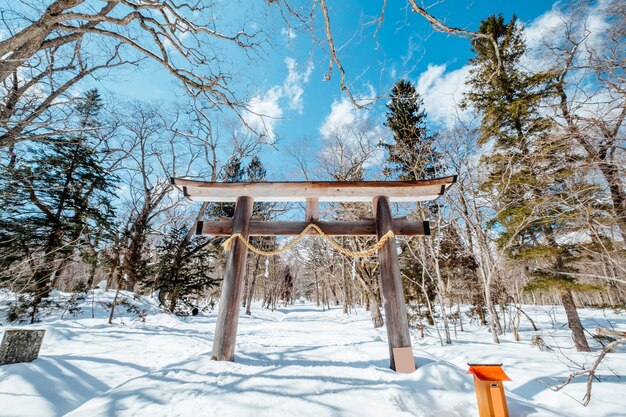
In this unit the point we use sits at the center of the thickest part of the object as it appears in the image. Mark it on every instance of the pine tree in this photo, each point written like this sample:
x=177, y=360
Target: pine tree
x=179, y=254
x=59, y=201
x=411, y=155
x=529, y=171
x=234, y=171
x=255, y=172
x=184, y=267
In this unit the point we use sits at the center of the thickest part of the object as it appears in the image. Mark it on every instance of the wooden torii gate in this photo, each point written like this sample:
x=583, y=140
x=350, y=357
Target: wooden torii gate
x=380, y=193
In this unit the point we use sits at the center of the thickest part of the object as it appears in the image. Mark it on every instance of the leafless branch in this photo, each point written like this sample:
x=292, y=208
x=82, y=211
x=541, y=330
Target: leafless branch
x=590, y=371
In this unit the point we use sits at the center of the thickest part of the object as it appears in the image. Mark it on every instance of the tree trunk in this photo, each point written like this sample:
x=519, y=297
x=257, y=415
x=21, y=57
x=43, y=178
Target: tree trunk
x=333, y=292
x=494, y=321
x=173, y=301
x=371, y=299
x=515, y=323
x=440, y=297
x=346, y=301
x=250, y=295
x=246, y=281
x=578, y=333
x=616, y=188
x=317, y=289
x=117, y=292
x=460, y=315
x=377, y=316
x=532, y=322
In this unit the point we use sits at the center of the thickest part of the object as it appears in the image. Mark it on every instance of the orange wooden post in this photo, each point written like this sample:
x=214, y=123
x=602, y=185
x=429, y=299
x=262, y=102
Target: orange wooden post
x=489, y=389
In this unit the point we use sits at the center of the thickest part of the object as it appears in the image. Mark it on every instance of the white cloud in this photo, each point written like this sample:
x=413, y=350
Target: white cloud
x=342, y=115
x=346, y=129
x=597, y=24
x=587, y=27
x=289, y=33
x=394, y=72
x=429, y=77
x=293, y=85
x=265, y=110
x=414, y=53
x=545, y=28
x=551, y=26
x=442, y=92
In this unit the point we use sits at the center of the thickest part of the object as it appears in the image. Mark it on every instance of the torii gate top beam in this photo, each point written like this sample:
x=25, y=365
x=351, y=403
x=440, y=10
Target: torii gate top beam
x=344, y=191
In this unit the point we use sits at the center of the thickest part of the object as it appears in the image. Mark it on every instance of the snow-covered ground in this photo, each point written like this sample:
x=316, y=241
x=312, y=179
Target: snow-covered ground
x=295, y=361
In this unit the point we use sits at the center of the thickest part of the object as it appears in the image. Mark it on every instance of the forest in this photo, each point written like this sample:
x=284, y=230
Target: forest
x=536, y=217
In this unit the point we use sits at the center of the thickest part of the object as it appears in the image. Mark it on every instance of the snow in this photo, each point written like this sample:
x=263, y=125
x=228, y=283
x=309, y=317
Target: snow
x=294, y=361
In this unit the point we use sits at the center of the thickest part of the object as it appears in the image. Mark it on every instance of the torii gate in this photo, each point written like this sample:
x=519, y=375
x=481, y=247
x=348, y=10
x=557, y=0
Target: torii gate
x=312, y=192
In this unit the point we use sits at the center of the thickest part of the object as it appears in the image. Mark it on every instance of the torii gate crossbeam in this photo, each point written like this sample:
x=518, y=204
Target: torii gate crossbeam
x=380, y=193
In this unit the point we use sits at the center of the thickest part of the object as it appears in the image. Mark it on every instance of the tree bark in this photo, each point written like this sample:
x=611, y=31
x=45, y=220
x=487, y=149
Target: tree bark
x=346, y=301
x=618, y=194
x=377, y=317
x=249, y=295
x=578, y=333
x=317, y=289
x=371, y=302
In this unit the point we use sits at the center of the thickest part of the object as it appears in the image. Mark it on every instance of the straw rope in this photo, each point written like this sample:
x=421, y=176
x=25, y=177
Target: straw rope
x=362, y=254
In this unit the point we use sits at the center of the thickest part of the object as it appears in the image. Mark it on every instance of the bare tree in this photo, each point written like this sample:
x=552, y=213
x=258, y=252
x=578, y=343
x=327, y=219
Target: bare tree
x=347, y=154
x=474, y=208
x=590, y=371
x=49, y=49
x=590, y=103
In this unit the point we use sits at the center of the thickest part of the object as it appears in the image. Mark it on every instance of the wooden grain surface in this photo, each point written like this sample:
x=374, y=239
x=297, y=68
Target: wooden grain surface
x=401, y=227
x=230, y=300
x=393, y=297
x=349, y=191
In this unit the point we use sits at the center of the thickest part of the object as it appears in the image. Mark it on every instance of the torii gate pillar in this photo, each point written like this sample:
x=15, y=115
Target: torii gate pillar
x=397, y=323
x=230, y=300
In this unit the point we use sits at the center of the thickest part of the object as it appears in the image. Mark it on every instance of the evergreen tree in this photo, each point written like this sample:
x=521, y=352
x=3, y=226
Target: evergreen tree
x=234, y=171
x=184, y=267
x=57, y=202
x=255, y=172
x=411, y=154
x=529, y=172
x=180, y=255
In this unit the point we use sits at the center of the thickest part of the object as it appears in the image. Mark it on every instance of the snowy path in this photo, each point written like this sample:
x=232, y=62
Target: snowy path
x=298, y=361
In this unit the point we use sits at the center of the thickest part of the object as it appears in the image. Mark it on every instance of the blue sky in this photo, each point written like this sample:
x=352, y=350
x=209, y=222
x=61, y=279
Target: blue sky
x=287, y=82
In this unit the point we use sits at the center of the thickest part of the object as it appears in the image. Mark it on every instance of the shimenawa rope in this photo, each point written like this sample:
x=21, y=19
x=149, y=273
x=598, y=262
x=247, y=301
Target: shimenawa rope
x=362, y=254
